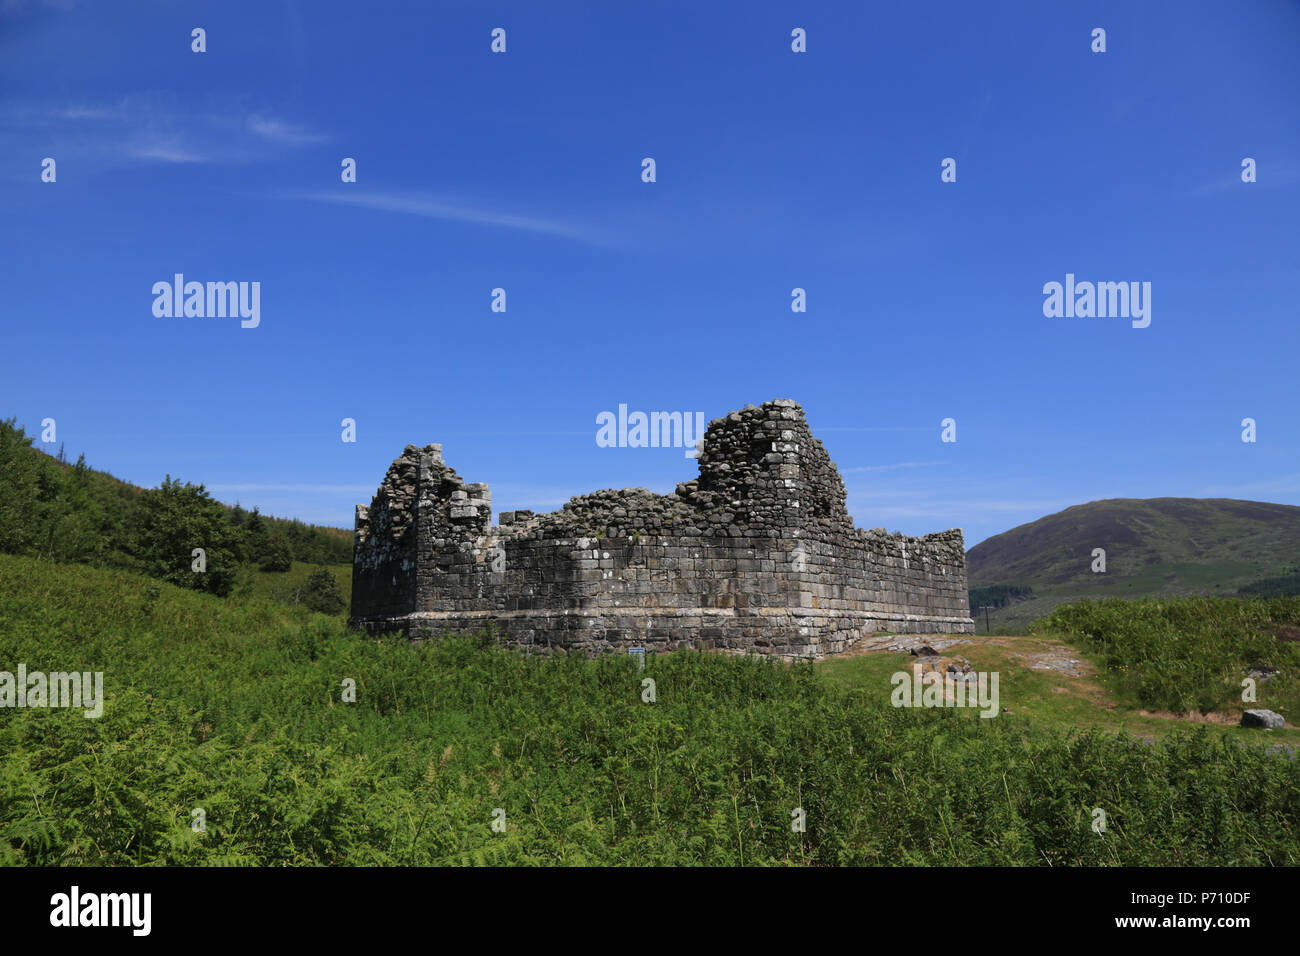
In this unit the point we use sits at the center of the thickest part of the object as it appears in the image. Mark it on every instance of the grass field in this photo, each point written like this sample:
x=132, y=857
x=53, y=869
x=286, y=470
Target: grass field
x=235, y=709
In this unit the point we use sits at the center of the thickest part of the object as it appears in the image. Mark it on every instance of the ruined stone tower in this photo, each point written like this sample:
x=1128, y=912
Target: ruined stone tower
x=756, y=554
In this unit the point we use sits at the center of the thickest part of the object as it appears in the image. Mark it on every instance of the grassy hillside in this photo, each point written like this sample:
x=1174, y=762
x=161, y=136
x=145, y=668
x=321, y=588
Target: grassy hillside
x=233, y=706
x=1156, y=546
x=72, y=512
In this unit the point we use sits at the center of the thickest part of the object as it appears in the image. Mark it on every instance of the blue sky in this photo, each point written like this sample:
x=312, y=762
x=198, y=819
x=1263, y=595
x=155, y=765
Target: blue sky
x=775, y=170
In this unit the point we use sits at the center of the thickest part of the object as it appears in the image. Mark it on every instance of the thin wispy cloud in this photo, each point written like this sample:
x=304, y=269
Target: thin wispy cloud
x=979, y=518
x=456, y=211
x=335, y=502
x=1282, y=484
x=516, y=433
x=89, y=113
x=969, y=506
x=903, y=500
x=278, y=131
x=292, y=488
x=153, y=127
x=18, y=7
x=507, y=497
x=164, y=152
x=1269, y=174
x=894, y=467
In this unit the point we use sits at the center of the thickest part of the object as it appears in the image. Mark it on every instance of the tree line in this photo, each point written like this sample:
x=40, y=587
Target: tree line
x=72, y=513
x=998, y=595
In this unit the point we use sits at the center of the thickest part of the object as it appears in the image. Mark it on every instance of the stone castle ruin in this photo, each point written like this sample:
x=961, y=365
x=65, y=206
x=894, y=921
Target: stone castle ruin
x=757, y=554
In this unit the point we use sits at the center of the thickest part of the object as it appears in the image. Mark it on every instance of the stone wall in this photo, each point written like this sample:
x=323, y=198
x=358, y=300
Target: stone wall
x=756, y=554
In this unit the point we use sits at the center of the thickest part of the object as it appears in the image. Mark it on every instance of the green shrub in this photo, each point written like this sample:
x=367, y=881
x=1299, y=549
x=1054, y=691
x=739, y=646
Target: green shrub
x=1187, y=653
x=277, y=555
x=322, y=593
x=171, y=522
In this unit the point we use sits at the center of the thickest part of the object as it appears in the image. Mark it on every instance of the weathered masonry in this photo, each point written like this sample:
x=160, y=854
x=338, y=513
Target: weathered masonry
x=756, y=554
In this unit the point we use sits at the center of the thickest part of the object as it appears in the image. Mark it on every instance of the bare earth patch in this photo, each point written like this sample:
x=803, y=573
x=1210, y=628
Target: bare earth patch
x=1060, y=659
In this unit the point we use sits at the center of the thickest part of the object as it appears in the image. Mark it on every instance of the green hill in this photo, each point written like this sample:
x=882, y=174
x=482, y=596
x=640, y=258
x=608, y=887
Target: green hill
x=71, y=513
x=1154, y=547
